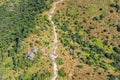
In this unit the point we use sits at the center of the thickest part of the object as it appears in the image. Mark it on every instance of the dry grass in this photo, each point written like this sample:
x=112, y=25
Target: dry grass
x=86, y=10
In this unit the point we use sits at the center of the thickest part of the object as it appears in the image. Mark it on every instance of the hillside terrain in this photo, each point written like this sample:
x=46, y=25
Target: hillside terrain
x=25, y=34
x=89, y=39
x=60, y=39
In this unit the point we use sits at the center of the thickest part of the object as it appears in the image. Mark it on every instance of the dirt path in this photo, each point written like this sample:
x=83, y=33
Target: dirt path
x=53, y=55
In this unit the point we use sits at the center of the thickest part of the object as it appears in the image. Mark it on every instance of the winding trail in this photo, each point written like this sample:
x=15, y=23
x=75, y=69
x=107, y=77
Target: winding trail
x=53, y=55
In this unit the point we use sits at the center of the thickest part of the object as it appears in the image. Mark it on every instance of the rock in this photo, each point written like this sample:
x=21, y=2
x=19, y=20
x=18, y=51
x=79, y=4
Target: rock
x=31, y=55
x=34, y=50
x=71, y=50
x=116, y=78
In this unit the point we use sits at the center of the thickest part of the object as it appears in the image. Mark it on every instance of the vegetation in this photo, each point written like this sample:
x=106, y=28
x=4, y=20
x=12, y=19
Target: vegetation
x=118, y=28
x=62, y=73
x=86, y=32
x=18, y=20
x=59, y=61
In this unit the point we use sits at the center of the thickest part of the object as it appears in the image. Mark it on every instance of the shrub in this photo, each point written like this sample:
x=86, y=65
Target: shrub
x=59, y=61
x=95, y=19
x=101, y=16
x=111, y=77
x=80, y=66
x=117, y=50
x=118, y=28
x=62, y=72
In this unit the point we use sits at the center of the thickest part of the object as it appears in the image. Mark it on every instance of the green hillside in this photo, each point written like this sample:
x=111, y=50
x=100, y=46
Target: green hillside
x=79, y=38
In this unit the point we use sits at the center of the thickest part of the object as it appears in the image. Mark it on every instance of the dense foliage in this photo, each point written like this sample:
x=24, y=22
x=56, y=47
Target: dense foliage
x=17, y=21
x=16, y=24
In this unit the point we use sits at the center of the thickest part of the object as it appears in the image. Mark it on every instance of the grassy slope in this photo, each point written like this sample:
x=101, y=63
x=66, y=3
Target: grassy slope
x=76, y=17
x=77, y=32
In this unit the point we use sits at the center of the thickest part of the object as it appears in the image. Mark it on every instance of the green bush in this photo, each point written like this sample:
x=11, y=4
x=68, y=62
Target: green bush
x=62, y=72
x=118, y=28
x=59, y=61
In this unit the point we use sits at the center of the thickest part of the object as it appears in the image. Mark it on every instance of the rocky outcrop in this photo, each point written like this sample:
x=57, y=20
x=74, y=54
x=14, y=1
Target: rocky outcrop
x=31, y=54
